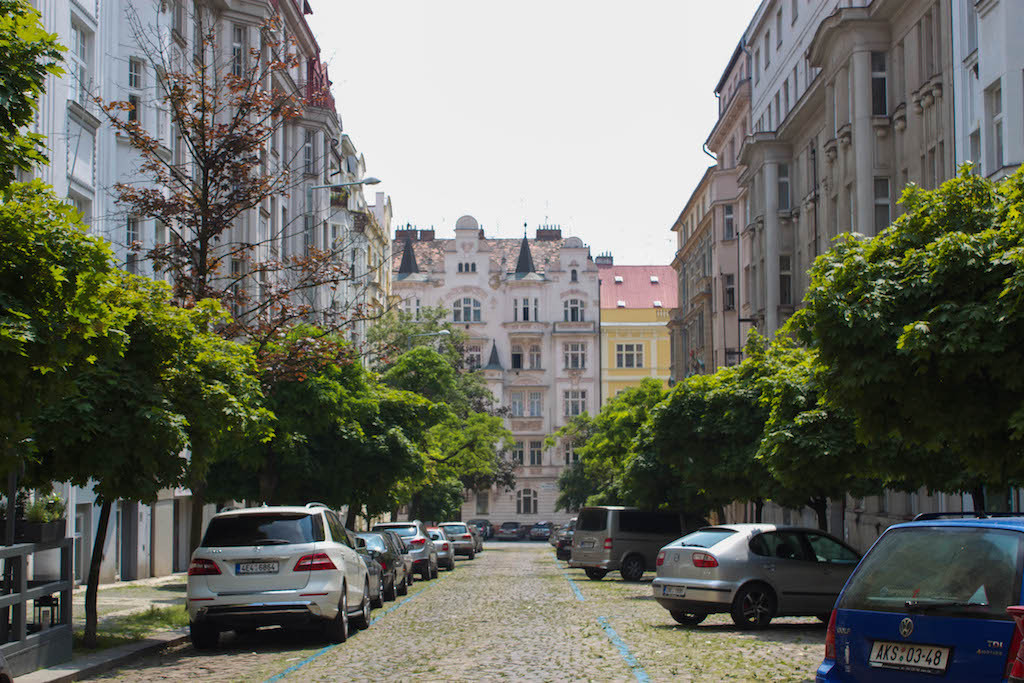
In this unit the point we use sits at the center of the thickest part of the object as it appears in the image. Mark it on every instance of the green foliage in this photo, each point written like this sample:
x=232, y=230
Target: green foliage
x=27, y=55
x=46, y=508
x=919, y=330
x=440, y=501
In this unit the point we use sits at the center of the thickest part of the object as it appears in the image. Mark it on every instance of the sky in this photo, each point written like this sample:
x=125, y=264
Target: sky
x=588, y=115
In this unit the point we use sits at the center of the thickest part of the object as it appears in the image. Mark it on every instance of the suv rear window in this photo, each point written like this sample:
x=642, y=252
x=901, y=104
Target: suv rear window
x=595, y=519
x=403, y=531
x=263, y=529
x=455, y=529
x=961, y=571
x=705, y=538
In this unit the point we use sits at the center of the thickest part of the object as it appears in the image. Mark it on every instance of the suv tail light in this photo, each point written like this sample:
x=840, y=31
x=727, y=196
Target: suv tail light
x=201, y=567
x=314, y=562
x=607, y=544
x=830, y=638
x=704, y=560
x=417, y=542
x=661, y=558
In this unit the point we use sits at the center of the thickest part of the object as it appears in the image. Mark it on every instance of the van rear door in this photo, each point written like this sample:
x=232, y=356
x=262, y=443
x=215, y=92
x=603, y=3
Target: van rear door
x=588, y=547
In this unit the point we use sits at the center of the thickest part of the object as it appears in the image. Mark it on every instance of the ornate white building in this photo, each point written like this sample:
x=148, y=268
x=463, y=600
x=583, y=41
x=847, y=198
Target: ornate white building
x=531, y=308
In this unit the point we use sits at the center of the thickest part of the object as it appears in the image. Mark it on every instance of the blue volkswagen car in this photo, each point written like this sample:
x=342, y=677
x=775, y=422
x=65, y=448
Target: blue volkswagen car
x=928, y=602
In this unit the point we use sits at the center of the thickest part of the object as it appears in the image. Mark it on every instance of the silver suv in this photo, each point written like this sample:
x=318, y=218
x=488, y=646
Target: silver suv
x=287, y=566
x=421, y=548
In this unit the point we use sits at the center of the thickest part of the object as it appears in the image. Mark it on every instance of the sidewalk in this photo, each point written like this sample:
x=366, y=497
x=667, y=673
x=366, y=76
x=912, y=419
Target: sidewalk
x=118, y=600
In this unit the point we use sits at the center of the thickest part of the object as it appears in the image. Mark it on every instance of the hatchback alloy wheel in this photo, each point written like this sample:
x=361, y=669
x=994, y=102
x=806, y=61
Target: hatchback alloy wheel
x=753, y=607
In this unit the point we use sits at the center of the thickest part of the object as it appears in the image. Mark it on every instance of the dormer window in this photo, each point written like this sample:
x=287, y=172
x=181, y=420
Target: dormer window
x=618, y=279
x=654, y=279
x=657, y=304
x=620, y=303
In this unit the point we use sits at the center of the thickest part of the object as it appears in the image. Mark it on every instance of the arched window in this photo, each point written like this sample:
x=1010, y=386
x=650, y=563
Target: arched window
x=526, y=502
x=573, y=310
x=466, y=310
x=572, y=275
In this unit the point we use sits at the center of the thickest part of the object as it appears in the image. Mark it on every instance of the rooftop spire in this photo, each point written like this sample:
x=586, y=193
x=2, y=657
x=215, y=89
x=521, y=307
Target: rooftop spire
x=494, y=363
x=525, y=263
x=408, y=264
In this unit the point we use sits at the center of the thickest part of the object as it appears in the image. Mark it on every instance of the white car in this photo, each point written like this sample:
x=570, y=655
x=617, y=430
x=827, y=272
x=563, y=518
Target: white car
x=285, y=566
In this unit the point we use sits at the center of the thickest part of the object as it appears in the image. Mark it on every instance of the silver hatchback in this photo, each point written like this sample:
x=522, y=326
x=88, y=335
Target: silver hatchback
x=755, y=572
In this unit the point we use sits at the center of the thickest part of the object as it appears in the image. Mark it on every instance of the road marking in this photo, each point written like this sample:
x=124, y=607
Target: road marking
x=638, y=671
x=352, y=634
x=575, y=588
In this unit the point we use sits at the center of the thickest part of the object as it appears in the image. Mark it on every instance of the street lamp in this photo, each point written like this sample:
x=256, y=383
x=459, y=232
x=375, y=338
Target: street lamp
x=439, y=333
x=335, y=186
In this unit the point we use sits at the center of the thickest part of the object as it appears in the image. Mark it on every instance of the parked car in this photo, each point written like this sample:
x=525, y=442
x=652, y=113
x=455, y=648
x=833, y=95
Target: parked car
x=611, y=537
x=375, y=573
x=929, y=602
x=286, y=566
x=421, y=548
x=510, y=531
x=540, y=531
x=392, y=565
x=478, y=537
x=445, y=548
x=562, y=539
x=402, y=549
x=755, y=572
x=485, y=526
x=461, y=538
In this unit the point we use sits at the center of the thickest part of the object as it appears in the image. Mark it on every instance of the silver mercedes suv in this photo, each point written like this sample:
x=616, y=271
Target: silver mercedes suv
x=286, y=566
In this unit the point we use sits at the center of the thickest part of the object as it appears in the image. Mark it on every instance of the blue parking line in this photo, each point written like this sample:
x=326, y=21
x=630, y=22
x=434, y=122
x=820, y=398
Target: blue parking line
x=575, y=588
x=319, y=653
x=638, y=671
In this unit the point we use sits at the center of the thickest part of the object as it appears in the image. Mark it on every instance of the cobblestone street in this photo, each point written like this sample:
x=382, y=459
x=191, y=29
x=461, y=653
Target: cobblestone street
x=513, y=613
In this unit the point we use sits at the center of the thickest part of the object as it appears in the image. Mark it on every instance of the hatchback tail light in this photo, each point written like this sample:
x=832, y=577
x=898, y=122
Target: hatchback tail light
x=607, y=544
x=661, y=558
x=314, y=562
x=383, y=564
x=830, y=638
x=704, y=560
x=467, y=537
x=444, y=546
x=201, y=567
x=1014, y=670
x=417, y=542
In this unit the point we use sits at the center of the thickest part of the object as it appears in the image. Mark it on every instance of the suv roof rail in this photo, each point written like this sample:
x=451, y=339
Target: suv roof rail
x=976, y=514
x=317, y=505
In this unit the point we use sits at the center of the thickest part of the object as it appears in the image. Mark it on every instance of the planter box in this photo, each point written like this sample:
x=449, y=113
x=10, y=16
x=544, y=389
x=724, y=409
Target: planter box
x=35, y=532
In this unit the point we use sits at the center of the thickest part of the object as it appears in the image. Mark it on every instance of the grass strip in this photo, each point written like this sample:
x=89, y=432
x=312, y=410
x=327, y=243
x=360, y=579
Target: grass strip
x=133, y=627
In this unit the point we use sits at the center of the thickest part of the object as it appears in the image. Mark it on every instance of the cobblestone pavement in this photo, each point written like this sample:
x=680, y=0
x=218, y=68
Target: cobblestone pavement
x=511, y=614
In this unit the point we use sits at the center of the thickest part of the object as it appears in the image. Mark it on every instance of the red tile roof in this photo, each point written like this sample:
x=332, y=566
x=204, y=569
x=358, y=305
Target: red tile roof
x=636, y=288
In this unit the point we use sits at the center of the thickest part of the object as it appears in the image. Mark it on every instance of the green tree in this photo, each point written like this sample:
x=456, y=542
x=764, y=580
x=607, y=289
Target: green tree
x=27, y=55
x=919, y=330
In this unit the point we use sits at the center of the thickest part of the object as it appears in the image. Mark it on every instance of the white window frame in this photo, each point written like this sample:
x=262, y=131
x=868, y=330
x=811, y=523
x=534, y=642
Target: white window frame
x=785, y=280
x=534, y=357
x=882, y=193
x=573, y=311
x=466, y=310
x=574, y=355
x=239, y=39
x=574, y=402
x=728, y=223
x=515, y=403
x=536, y=453
x=629, y=355
x=535, y=403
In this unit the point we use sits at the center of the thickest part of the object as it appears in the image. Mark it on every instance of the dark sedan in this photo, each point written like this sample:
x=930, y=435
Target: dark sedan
x=392, y=564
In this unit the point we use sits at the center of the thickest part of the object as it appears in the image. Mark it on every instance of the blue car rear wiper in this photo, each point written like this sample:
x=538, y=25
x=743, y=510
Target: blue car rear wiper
x=924, y=606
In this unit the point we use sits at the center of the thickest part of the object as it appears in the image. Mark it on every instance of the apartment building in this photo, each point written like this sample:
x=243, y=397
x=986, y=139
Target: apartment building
x=106, y=60
x=635, y=305
x=531, y=310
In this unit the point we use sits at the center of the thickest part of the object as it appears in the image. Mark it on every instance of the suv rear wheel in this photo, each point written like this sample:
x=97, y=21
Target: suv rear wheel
x=633, y=568
x=362, y=620
x=336, y=630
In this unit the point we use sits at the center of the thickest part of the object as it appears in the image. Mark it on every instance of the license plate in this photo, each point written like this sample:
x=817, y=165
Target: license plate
x=256, y=568
x=673, y=591
x=586, y=544
x=909, y=656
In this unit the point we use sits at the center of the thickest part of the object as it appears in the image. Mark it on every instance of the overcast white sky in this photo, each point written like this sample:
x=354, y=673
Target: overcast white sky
x=586, y=114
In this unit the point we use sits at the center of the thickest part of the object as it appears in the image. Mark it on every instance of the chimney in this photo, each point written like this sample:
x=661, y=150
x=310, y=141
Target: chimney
x=549, y=233
x=426, y=235
x=604, y=259
x=403, y=234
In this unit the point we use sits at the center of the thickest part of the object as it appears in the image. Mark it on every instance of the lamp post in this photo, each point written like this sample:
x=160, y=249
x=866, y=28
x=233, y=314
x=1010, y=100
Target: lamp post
x=336, y=186
x=439, y=333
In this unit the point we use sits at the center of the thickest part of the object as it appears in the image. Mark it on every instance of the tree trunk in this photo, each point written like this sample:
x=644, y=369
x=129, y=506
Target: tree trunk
x=758, y=509
x=820, y=507
x=350, y=519
x=978, y=497
x=999, y=499
x=93, y=582
x=195, y=535
x=268, y=483
x=394, y=515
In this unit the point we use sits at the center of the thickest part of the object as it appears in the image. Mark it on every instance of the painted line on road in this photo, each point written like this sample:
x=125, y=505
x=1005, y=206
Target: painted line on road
x=575, y=588
x=352, y=634
x=638, y=671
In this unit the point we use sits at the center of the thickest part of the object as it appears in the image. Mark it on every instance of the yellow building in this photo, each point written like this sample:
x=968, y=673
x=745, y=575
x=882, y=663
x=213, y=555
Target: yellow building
x=635, y=306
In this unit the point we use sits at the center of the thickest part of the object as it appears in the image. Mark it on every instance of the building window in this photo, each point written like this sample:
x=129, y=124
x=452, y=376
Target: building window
x=522, y=311
x=573, y=310
x=526, y=502
x=460, y=267
x=517, y=357
x=238, y=50
x=629, y=355
x=135, y=111
x=534, y=358
x=729, y=225
x=517, y=452
x=515, y=403
x=995, y=106
x=881, y=204
x=575, y=355
x=575, y=402
x=466, y=310
x=482, y=502
x=536, y=453
x=536, y=406
x=785, y=280
x=573, y=276
x=135, y=71
x=236, y=287
x=729, y=291
x=80, y=63
x=570, y=454
x=473, y=356
x=308, y=162
x=795, y=11
x=778, y=28
x=767, y=49
x=783, y=187
x=757, y=66
x=879, y=96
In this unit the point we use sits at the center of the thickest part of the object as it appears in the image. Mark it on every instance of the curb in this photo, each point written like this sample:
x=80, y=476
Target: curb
x=104, y=660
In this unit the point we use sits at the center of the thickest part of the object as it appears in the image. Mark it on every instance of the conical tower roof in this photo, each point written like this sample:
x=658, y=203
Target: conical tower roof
x=493, y=363
x=525, y=263
x=408, y=264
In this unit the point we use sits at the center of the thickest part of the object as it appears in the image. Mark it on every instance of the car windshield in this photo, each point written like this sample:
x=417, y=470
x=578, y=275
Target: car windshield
x=403, y=531
x=966, y=571
x=374, y=542
x=456, y=528
x=262, y=529
x=705, y=538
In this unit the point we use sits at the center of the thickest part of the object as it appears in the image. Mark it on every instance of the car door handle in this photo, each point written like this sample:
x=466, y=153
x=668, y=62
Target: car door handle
x=769, y=566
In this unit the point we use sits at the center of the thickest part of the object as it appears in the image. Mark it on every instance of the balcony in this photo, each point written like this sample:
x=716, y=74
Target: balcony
x=577, y=327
